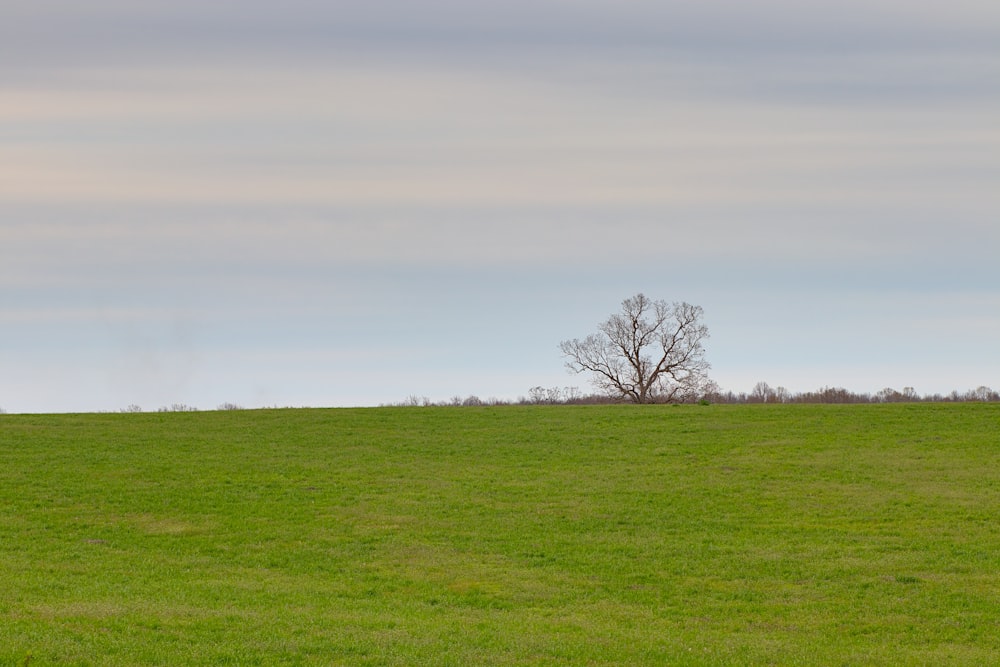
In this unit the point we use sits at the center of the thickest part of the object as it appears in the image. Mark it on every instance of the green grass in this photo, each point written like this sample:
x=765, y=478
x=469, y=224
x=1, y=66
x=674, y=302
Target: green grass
x=724, y=535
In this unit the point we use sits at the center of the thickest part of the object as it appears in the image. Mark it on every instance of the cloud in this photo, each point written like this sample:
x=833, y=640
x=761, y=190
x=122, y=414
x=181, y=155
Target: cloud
x=274, y=173
x=707, y=25
x=812, y=49
x=397, y=138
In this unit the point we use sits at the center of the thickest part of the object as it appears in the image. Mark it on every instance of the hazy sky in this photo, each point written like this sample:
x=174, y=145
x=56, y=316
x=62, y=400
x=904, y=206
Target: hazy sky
x=339, y=203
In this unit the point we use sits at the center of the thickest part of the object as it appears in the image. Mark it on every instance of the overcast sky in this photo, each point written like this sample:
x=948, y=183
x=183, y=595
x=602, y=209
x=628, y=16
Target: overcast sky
x=338, y=203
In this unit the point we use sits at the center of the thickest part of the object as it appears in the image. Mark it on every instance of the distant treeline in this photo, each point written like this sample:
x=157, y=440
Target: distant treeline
x=181, y=407
x=761, y=393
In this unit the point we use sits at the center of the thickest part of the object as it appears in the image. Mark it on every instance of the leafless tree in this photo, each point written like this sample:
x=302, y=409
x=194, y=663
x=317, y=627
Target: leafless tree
x=537, y=394
x=650, y=352
x=982, y=393
x=762, y=393
x=178, y=407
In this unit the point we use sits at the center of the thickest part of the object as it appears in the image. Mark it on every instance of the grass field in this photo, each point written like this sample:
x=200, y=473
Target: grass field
x=854, y=535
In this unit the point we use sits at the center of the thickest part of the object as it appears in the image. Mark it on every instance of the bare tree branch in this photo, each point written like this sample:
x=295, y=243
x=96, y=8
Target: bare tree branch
x=650, y=352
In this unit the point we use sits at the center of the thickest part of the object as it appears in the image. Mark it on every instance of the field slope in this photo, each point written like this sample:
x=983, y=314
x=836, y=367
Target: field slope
x=517, y=535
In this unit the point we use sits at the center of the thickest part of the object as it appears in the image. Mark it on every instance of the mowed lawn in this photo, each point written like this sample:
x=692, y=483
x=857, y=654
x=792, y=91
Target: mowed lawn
x=541, y=535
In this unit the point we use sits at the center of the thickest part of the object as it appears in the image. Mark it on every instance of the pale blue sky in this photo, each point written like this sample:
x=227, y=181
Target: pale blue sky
x=324, y=203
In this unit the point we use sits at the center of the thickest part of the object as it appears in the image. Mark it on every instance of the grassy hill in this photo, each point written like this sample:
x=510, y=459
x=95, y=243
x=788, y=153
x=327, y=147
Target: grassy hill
x=525, y=535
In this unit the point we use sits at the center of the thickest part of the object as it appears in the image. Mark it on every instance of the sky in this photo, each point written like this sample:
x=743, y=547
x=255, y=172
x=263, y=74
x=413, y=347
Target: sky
x=325, y=203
